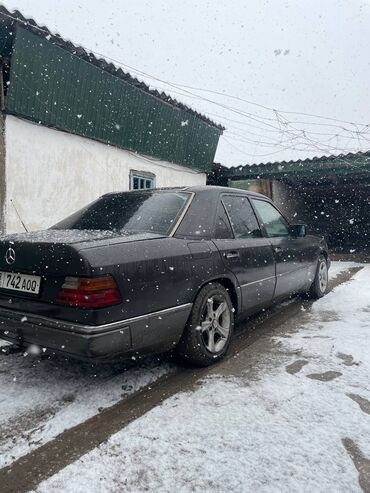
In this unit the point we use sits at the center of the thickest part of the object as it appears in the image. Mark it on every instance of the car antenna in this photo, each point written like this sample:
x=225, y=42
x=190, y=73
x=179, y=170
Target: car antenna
x=19, y=217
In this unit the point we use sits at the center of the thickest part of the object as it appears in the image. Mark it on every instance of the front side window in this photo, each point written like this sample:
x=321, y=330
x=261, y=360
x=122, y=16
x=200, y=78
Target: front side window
x=272, y=220
x=130, y=212
x=242, y=217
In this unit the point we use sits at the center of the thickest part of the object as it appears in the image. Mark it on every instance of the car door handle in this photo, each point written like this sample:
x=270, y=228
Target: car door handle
x=229, y=255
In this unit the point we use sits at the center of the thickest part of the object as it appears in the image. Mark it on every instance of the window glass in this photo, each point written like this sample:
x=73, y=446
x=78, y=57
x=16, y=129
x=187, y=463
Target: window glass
x=141, y=182
x=272, y=220
x=222, y=228
x=138, y=212
x=242, y=217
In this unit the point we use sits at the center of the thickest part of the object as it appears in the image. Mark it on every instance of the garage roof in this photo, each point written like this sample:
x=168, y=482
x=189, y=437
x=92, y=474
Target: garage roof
x=307, y=168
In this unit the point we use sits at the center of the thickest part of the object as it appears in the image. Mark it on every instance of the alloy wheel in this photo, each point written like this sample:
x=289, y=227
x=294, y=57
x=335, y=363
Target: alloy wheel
x=215, y=324
x=323, y=276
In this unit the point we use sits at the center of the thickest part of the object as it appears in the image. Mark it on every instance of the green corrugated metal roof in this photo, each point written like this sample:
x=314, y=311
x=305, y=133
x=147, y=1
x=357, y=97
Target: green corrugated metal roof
x=51, y=85
x=307, y=168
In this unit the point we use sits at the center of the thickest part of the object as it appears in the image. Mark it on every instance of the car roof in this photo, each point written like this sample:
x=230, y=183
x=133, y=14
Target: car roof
x=214, y=188
x=198, y=189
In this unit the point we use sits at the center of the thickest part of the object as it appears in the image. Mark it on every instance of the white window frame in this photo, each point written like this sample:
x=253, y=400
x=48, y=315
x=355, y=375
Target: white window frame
x=141, y=175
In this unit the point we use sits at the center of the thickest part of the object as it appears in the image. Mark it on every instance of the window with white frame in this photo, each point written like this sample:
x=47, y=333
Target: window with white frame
x=141, y=180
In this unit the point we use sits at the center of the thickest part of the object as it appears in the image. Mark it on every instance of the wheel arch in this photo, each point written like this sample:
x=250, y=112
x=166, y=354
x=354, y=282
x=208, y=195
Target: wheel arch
x=324, y=253
x=230, y=287
x=323, y=249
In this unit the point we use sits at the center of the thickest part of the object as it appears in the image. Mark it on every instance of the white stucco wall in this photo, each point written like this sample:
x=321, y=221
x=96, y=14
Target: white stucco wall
x=50, y=174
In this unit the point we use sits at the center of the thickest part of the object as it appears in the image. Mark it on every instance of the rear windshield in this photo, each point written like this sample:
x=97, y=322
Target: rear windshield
x=131, y=212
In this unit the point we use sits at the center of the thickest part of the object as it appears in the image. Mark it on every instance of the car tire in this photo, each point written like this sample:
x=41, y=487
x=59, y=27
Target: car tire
x=209, y=329
x=320, y=283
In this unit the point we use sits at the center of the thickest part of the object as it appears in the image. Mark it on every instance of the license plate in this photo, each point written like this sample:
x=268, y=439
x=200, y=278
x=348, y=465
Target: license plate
x=20, y=282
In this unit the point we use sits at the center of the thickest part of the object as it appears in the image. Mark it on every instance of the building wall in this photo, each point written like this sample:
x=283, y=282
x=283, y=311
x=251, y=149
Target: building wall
x=288, y=199
x=49, y=84
x=335, y=207
x=2, y=170
x=50, y=174
x=259, y=186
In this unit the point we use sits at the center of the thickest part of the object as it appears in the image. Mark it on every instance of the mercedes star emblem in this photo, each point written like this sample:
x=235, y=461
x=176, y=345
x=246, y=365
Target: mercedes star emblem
x=10, y=256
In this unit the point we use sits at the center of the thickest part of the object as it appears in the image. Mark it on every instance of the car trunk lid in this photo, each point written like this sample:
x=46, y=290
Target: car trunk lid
x=47, y=258
x=57, y=251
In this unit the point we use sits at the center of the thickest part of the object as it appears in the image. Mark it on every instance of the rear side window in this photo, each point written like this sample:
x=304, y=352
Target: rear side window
x=242, y=217
x=272, y=220
x=222, y=227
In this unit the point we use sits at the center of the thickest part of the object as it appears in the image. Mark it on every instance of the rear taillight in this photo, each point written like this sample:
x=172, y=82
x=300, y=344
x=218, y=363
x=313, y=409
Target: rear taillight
x=89, y=292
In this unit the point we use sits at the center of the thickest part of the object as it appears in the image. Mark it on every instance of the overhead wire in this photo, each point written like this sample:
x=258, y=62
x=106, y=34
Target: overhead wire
x=284, y=128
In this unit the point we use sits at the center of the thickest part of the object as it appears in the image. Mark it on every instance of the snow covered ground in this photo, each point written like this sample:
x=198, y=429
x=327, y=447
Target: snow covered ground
x=300, y=422
x=41, y=398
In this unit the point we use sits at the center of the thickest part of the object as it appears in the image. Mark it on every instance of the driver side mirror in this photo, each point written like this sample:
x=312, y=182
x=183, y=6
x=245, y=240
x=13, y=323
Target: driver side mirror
x=298, y=230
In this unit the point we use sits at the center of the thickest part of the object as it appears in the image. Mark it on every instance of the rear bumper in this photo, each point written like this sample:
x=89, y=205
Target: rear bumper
x=153, y=332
